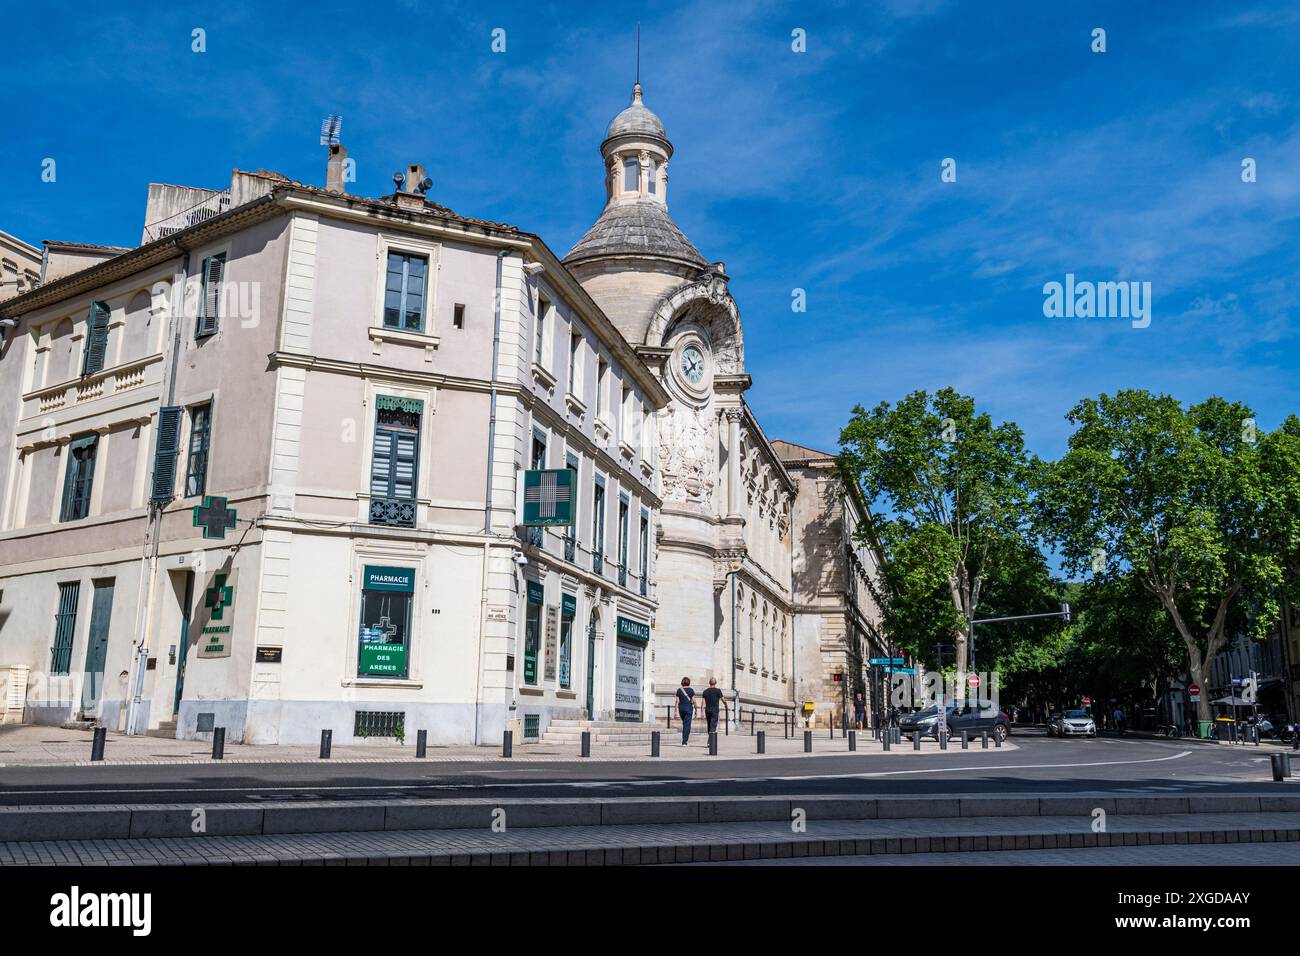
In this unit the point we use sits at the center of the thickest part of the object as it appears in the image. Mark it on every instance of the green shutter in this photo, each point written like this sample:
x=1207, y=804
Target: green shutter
x=65, y=620
x=79, y=476
x=214, y=270
x=166, y=451
x=92, y=359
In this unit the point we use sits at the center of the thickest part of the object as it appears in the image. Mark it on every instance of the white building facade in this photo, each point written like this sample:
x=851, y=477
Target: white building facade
x=265, y=473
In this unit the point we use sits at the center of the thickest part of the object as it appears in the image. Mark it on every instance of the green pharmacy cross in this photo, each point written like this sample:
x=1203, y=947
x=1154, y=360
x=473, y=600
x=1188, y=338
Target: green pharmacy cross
x=214, y=517
x=386, y=628
x=219, y=597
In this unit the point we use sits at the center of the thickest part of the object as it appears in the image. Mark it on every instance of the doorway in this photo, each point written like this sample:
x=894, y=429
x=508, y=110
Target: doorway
x=186, y=595
x=101, y=613
x=591, y=665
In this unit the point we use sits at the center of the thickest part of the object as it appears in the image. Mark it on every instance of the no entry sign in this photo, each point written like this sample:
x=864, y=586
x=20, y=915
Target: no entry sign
x=973, y=680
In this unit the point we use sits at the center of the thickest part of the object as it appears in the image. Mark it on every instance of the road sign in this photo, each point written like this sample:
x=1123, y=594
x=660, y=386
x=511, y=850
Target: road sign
x=1087, y=702
x=973, y=680
x=886, y=661
x=1194, y=689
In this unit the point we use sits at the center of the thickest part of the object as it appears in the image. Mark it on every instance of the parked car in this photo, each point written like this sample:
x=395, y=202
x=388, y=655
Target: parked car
x=1072, y=723
x=974, y=717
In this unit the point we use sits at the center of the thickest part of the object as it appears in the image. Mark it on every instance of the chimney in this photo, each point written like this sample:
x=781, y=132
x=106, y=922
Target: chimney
x=335, y=169
x=411, y=190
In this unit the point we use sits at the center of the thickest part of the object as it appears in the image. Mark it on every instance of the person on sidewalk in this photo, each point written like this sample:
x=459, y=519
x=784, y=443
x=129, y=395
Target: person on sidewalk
x=859, y=710
x=712, y=704
x=1119, y=720
x=686, y=708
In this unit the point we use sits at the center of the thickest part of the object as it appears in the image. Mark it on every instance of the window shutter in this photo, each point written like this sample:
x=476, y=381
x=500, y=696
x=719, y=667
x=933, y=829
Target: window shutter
x=165, y=453
x=381, y=464
x=214, y=270
x=96, y=339
x=404, y=466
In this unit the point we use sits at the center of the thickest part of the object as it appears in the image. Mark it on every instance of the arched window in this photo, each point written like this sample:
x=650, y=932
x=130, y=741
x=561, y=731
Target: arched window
x=652, y=170
x=763, y=657
x=753, y=625
x=631, y=175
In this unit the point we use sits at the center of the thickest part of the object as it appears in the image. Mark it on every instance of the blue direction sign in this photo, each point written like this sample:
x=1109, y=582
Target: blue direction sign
x=886, y=661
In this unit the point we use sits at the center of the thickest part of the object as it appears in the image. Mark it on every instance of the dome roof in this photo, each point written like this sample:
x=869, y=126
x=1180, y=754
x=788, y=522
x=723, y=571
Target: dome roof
x=635, y=229
x=637, y=119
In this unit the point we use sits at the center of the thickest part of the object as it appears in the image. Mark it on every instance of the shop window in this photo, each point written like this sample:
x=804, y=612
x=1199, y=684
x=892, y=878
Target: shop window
x=532, y=632
x=385, y=640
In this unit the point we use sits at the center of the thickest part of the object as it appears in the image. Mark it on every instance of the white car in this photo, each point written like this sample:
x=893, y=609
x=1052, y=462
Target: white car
x=1072, y=723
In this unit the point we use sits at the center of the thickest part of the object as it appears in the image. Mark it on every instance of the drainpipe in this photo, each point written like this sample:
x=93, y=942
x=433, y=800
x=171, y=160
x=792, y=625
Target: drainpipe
x=735, y=691
x=487, y=501
x=150, y=556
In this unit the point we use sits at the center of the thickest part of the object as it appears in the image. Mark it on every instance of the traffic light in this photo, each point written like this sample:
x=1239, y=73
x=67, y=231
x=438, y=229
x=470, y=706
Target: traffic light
x=1065, y=612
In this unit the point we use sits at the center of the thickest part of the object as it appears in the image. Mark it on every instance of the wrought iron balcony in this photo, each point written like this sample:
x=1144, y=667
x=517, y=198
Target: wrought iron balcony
x=393, y=512
x=536, y=536
x=570, y=547
x=622, y=575
x=597, y=563
x=644, y=587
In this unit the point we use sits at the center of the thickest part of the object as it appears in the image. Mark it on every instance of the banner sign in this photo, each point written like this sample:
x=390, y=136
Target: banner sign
x=633, y=630
x=389, y=579
x=550, y=497
x=568, y=605
x=627, y=681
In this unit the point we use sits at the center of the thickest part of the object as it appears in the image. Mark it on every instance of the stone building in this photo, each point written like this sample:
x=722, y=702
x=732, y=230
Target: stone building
x=837, y=612
x=725, y=537
x=264, y=472
x=20, y=266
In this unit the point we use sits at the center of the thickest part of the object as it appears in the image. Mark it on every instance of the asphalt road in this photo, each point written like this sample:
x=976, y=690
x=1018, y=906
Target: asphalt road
x=1041, y=765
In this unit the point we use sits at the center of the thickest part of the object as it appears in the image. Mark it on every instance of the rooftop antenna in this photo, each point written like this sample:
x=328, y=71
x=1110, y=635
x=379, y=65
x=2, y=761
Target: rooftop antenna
x=330, y=128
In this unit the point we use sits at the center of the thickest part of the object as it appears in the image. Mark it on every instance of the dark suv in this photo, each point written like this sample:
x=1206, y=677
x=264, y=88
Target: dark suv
x=972, y=716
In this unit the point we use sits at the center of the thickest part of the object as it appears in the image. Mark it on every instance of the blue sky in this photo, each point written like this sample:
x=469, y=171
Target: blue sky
x=818, y=170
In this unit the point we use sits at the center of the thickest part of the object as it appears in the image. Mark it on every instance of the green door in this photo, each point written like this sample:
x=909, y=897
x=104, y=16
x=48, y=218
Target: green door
x=101, y=612
x=591, y=669
x=183, y=645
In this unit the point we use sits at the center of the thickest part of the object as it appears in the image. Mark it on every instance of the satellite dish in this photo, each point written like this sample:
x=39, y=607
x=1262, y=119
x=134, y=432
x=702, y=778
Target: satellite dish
x=330, y=128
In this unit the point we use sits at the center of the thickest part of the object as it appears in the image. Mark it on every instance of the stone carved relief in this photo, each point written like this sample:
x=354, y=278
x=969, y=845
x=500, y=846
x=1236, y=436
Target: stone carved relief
x=686, y=455
x=706, y=303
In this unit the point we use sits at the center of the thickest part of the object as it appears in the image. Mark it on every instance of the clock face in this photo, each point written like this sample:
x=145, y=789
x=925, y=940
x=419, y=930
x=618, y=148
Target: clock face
x=692, y=365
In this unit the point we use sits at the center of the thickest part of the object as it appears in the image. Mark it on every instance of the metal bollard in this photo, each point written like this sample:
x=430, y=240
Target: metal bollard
x=853, y=740
x=1286, y=764
x=586, y=743
x=884, y=739
x=421, y=743
x=654, y=743
x=762, y=741
x=997, y=739
x=670, y=716
x=713, y=744
x=831, y=728
x=984, y=739
x=97, y=743
x=807, y=741
x=326, y=741
x=943, y=740
x=965, y=740
x=916, y=740
x=751, y=723
x=508, y=744
x=1276, y=761
x=219, y=743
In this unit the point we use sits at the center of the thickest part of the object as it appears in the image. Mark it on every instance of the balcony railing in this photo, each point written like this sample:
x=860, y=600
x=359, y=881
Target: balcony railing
x=536, y=536
x=597, y=563
x=644, y=586
x=209, y=208
x=392, y=512
x=570, y=547
x=622, y=575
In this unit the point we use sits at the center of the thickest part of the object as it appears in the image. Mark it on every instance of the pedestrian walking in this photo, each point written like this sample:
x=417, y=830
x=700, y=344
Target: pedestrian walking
x=686, y=708
x=1119, y=719
x=712, y=704
x=859, y=710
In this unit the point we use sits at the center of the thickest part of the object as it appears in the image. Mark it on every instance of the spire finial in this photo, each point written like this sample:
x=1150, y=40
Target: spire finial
x=638, y=53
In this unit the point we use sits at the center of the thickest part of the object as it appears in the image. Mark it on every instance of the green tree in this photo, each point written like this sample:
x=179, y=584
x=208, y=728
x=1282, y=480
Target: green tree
x=1175, y=496
x=952, y=490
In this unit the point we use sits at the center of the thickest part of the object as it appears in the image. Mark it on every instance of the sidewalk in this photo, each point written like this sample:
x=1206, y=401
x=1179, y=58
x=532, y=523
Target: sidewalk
x=24, y=745
x=665, y=843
